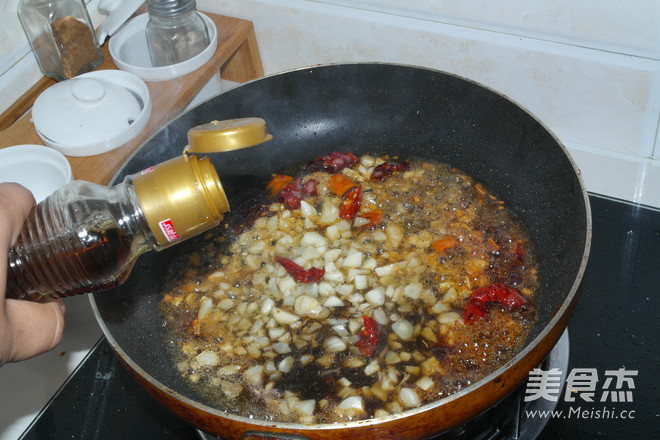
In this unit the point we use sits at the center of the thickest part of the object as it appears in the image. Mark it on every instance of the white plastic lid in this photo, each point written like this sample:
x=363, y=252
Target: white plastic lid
x=92, y=113
x=40, y=169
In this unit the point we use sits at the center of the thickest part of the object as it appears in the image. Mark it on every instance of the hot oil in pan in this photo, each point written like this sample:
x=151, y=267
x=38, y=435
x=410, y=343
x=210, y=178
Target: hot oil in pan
x=385, y=326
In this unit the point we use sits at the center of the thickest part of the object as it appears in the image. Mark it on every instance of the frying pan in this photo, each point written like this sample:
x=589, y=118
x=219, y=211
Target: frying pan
x=369, y=108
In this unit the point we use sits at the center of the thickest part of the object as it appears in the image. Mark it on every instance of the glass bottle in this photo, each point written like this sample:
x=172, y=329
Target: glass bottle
x=175, y=31
x=61, y=36
x=86, y=237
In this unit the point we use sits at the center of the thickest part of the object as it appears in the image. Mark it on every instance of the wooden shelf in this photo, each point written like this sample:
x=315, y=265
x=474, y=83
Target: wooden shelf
x=237, y=57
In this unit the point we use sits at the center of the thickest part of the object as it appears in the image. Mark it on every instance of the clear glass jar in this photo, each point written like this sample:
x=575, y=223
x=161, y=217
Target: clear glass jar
x=175, y=31
x=61, y=36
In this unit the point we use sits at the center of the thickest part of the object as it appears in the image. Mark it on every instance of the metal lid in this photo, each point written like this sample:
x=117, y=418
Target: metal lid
x=170, y=8
x=183, y=197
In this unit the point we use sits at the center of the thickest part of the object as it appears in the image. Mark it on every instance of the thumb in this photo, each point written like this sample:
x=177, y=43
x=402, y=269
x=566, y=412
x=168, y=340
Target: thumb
x=30, y=329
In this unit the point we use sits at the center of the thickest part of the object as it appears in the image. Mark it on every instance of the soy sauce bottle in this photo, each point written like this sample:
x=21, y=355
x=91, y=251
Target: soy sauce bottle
x=87, y=237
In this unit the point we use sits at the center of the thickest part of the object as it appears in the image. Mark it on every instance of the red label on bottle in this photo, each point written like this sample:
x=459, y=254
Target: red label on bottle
x=168, y=229
x=146, y=171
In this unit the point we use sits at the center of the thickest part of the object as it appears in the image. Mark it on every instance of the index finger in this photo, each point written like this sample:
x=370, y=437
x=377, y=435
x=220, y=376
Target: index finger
x=16, y=201
x=15, y=205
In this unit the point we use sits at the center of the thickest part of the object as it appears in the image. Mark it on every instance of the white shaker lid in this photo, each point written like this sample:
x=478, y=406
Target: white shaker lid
x=92, y=113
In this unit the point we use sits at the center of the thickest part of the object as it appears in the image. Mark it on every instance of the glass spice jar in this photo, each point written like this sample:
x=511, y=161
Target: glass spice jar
x=175, y=31
x=61, y=36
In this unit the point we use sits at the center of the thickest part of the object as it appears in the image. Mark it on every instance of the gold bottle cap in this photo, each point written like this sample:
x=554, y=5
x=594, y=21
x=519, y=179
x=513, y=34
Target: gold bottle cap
x=183, y=197
x=233, y=134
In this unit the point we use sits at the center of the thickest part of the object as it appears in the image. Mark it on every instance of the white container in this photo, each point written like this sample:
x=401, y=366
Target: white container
x=92, y=113
x=130, y=52
x=40, y=169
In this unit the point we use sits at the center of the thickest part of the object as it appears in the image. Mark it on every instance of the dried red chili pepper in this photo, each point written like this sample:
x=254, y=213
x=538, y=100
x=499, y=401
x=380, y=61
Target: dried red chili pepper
x=310, y=188
x=374, y=217
x=277, y=184
x=387, y=169
x=298, y=190
x=446, y=242
x=340, y=183
x=333, y=162
x=368, y=336
x=311, y=275
x=350, y=203
x=497, y=293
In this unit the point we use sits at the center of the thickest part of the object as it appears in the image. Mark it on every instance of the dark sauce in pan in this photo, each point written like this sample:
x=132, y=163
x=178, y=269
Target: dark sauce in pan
x=383, y=330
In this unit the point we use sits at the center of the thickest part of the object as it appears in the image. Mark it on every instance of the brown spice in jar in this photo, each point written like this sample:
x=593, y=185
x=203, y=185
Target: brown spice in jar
x=76, y=44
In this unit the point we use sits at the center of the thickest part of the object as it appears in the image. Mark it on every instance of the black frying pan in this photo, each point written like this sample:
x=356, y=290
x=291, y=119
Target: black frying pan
x=375, y=108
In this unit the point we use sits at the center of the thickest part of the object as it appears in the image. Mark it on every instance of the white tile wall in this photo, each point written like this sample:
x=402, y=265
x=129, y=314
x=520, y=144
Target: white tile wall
x=610, y=25
x=602, y=101
x=588, y=97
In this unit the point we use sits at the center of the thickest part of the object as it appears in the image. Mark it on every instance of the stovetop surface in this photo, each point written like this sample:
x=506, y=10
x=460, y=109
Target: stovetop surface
x=614, y=327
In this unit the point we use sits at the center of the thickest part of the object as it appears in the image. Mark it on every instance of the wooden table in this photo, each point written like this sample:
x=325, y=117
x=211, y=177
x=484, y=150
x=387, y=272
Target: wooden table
x=237, y=57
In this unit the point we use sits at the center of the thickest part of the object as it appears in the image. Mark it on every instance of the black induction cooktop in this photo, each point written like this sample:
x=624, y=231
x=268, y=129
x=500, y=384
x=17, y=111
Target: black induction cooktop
x=614, y=337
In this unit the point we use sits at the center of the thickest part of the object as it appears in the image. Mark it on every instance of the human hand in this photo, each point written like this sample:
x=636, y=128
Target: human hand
x=26, y=328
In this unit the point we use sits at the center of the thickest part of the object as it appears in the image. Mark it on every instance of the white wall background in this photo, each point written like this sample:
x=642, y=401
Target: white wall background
x=628, y=27
x=590, y=69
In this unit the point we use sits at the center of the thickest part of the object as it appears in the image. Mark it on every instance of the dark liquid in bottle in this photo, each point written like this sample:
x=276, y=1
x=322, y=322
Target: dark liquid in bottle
x=69, y=265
